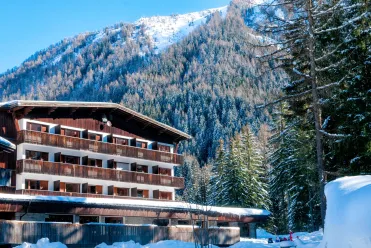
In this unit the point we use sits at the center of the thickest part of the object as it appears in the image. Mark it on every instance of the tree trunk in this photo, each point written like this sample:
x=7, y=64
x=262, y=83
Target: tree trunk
x=316, y=112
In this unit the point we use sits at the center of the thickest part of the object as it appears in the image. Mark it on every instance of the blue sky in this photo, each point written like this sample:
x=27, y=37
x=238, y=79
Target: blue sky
x=28, y=26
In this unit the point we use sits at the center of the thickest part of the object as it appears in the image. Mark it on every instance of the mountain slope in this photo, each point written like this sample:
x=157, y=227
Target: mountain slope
x=206, y=84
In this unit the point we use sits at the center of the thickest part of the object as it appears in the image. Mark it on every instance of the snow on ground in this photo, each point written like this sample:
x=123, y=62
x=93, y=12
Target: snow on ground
x=161, y=244
x=348, y=215
x=42, y=243
x=308, y=240
x=166, y=30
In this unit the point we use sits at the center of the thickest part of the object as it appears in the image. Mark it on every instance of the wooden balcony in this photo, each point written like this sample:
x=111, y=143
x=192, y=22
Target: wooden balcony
x=41, y=138
x=34, y=192
x=73, y=170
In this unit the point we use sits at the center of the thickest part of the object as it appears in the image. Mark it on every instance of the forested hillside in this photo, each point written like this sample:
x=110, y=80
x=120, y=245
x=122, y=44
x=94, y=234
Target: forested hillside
x=206, y=84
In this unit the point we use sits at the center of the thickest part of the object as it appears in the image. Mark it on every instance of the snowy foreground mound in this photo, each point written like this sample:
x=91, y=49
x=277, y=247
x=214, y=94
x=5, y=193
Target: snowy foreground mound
x=348, y=215
x=43, y=243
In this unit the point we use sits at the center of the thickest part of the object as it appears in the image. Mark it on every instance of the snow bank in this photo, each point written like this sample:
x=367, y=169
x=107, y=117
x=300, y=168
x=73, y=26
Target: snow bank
x=42, y=243
x=348, y=215
x=309, y=240
x=161, y=244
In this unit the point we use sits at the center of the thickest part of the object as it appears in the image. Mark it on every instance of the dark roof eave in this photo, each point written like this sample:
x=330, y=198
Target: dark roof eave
x=28, y=103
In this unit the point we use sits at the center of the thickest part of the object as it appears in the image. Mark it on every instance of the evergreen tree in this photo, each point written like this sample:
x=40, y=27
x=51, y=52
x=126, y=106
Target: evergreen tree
x=238, y=177
x=293, y=187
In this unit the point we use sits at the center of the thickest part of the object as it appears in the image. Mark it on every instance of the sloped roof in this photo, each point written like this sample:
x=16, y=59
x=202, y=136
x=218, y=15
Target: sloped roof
x=21, y=104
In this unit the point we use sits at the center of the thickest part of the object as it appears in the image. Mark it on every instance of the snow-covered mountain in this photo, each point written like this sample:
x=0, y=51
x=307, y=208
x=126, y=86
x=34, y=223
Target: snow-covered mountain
x=167, y=30
x=167, y=67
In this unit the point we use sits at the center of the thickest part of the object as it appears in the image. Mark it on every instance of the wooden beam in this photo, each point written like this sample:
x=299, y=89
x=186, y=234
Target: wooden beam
x=162, y=131
x=51, y=110
x=27, y=110
x=73, y=110
x=145, y=126
x=129, y=118
x=92, y=111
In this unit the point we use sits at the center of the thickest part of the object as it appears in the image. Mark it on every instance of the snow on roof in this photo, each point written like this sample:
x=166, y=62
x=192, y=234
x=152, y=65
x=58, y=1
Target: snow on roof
x=4, y=143
x=148, y=204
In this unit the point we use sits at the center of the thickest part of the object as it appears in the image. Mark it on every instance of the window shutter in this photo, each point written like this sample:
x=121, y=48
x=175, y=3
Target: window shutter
x=110, y=164
x=57, y=157
x=85, y=160
x=111, y=190
x=84, y=188
x=57, y=129
x=156, y=194
x=134, y=192
x=57, y=185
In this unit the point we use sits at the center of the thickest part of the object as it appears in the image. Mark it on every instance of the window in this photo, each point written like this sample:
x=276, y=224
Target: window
x=36, y=185
x=94, y=136
x=165, y=172
x=95, y=162
x=165, y=195
x=184, y=222
x=70, y=132
x=142, y=193
x=141, y=144
x=121, y=141
x=164, y=148
x=37, y=127
x=70, y=159
x=37, y=155
x=88, y=219
x=122, y=191
x=59, y=218
x=116, y=220
x=122, y=166
x=72, y=187
x=142, y=168
x=95, y=189
x=161, y=222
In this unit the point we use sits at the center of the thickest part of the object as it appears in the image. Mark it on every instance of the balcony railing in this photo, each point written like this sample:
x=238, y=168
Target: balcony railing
x=33, y=137
x=74, y=194
x=83, y=171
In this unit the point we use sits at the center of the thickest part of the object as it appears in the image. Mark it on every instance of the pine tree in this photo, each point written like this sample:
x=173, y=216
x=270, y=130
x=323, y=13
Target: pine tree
x=238, y=178
x=293, y=176
x=253, y=159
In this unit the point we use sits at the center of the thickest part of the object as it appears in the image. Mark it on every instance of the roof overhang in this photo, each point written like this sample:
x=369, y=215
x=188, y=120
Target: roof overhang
x=6, y=145
x=225, y=213
x=119, y=116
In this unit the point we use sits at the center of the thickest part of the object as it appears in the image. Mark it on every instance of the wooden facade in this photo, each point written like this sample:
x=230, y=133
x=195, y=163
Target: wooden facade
x=88, y=236
x=88, y=124
x=73, y=170
x=26, y=136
